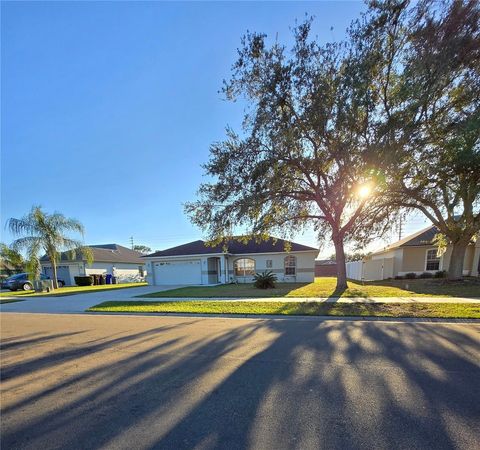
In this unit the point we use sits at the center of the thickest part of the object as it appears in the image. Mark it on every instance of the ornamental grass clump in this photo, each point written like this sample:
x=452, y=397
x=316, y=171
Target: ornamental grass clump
x=265, y=280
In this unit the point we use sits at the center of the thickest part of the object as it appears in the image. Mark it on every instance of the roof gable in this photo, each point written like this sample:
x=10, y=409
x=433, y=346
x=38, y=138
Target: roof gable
x=420, y=238
x=236, y=247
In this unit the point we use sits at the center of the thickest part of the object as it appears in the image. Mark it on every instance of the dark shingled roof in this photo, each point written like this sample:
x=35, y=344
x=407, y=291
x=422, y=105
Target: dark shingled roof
x=422, y=237
x=235, y=247
x=106, y=253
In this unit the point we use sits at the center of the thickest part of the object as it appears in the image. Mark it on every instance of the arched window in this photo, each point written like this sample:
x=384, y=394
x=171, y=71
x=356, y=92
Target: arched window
x=290, y=265
x=244, y=267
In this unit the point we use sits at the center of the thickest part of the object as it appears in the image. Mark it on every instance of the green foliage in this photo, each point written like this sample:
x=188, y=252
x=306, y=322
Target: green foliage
x=12, y=261
x=84, y=280
x=426, y=275
x=441, y=242
x=265, y=280
x=45, y=232
x=445, y=310
x=354, y=256
x=427, y=60
x=142, y=249
x=440, y=274
x=410, y=276
x=303, y=154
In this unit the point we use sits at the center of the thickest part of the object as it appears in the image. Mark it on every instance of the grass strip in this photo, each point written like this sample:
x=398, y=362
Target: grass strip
x=324, y=287
x=432, y=310
x=71, y=290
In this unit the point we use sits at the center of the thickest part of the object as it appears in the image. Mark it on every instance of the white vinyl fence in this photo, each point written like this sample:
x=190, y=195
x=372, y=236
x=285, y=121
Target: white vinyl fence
x=354, y=270
x=369, y=270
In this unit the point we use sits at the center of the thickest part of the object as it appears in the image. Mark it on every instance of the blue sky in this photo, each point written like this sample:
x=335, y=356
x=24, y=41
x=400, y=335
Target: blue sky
x=108, y=109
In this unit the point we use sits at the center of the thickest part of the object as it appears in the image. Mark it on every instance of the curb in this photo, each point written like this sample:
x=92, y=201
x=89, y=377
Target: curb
x=292, y=317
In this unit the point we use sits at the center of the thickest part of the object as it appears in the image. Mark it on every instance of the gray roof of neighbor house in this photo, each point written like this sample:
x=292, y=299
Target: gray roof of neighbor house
x=422, y=237
x=106, y=253
x=272, y=245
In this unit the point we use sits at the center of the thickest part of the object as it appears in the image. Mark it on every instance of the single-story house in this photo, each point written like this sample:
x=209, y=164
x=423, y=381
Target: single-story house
x=126, y=264
x=415, y=253
x=197, y=263
x=325, y=268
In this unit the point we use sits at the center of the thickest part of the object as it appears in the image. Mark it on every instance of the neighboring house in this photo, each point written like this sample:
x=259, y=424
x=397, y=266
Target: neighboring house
x=415, y=253
x=196, y=263
x=325, y=268
x=107, y=258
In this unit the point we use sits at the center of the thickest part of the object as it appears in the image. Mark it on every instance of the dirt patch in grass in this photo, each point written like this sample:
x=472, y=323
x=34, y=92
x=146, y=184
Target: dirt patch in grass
x=324, y=287
x=440, y=310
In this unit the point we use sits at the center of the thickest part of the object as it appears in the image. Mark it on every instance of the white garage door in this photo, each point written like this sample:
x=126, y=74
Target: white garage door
x=178, y=272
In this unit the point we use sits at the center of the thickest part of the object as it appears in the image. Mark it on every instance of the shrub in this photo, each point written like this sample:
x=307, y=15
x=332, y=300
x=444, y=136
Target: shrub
x=426, y=275
x=440, y=274
x=84, y=281
x=265, y=280
x=398, y=277
x=410, y=275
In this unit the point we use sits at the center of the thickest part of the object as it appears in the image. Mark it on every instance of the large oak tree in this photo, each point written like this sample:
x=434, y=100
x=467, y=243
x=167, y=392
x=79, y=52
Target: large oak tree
x=427, y=59
x=303, y=156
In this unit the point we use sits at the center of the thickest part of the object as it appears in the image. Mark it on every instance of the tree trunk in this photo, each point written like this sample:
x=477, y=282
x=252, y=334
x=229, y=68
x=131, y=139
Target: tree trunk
x=455, y=268
x=341, y=267
x=54, y=273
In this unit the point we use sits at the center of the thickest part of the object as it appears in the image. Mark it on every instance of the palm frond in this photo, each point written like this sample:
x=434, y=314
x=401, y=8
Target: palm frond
x=20, y=226
x=87, y=254
x=25, y=243
x=39, y=229
x=61, y=223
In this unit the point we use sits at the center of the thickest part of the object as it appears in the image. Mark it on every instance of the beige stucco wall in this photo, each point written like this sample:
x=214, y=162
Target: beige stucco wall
x=414, y=259
x=305, y=272
x=476, y=260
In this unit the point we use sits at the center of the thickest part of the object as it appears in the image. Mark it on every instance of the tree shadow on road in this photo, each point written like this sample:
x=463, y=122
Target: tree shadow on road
x=258, y=384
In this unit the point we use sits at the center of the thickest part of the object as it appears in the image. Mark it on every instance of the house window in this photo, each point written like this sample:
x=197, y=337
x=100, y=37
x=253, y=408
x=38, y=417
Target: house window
x=433, y=261
x=244, y=267
x=290, y=265
x=269, y=264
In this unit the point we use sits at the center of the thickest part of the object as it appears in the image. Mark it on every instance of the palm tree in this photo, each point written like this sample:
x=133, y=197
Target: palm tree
x=48, y=232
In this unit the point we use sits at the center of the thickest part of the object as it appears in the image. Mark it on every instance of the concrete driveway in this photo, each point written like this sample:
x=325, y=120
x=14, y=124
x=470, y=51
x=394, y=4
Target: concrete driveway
x=137, y=382
x=79, y=302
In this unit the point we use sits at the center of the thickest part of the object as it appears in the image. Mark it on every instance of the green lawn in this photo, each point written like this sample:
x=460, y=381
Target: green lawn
x=325, y=287
x=442, y=310
x=70, y=290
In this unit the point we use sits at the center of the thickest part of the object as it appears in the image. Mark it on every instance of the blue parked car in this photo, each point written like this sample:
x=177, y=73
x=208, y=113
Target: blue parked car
x=21, y=281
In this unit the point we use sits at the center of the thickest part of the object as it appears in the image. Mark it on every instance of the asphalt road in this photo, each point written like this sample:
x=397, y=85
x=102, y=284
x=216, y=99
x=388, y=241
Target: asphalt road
x=123, y=382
